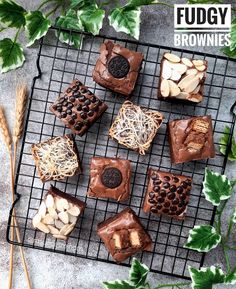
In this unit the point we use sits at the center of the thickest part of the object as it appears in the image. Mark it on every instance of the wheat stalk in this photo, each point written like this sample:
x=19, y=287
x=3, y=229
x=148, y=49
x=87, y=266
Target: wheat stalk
x=5, y=130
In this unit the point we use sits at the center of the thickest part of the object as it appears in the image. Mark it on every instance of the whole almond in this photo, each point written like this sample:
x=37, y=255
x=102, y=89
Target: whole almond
x=174, y=89
x=165, y=89
x=172, y=57
x=187, y=62
x=42, y=227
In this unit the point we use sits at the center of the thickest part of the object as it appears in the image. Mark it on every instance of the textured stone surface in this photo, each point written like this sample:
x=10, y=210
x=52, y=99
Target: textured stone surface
x=49, y=270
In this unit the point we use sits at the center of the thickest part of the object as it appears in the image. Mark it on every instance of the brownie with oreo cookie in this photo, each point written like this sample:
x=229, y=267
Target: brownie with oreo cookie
x=109, y=178
x=167, y=194
x=191, y=139
x=124, y=235
x=78, y=108
x=117, y=68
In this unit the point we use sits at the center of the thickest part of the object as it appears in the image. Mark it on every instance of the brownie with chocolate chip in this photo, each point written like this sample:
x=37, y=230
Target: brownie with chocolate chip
x=110, y=178
x=117, y=68
x=124, y=235
x=167, y=194
x=78, y=108
x=191, y=139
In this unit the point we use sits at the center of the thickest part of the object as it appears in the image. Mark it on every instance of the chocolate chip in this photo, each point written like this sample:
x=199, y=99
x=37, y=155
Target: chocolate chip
x=79, y=107
x=72, y=99
x=83, y=115
x=74, y=116
x=78, y=126
x=156, y=189
x=151, y=201
x=181, y=204
x=153, y=176
x=180, y=190
x=159, y=207
x=69, y=111
x=71, y=121
x=59, y=108
x=94, y=99
x=175, y=179
x=111, y=177
x=165, y=211
x=63, y=114
x=82, y=98
x=70, y=105
x=173, y=208
x=91, y=113
x=188, y=192
x=173, y=188
x=171, y=196
x=83, y=90
x=54, y=106
x=163, y=193
x=180, y=211
x=160, y=200
x=167, y=178
x=76, y=94
x=154, y=210
x=184, y=185
x=167, y=204
x=85, y=108
x=65, y=103
x=118, y=66
x=86, y=122
x=69, y=90
x=157, y=182
x=87, y=102
x=79, y=83
x=74, y=87
x=182, y=197
x=151, y=195
x=189, y=182
x=175, y=201
x=166, y=185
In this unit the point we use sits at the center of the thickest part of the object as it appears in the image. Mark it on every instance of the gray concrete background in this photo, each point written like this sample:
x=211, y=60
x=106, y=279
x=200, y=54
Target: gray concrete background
x=49, y=270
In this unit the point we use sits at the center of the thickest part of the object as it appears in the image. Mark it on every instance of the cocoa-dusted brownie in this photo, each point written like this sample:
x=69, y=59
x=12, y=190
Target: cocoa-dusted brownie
x=57, y=158
x=58, y=213
x=124, y=235
x=110, y=178
x=191, y=139
x=182, y=78
x=167, y=194
x=135, y=127
x=78, y=108
x=117, y=68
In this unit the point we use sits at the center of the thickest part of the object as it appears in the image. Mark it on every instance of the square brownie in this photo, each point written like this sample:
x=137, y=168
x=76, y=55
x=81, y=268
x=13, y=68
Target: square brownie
x=191, y=139
x=167, y=194
x=182, y=78
x=124, y=235
x=135, y=127
x=109, y=178
x=58, y=213
x=57, y=158
x=78, y=108
x=117, y=68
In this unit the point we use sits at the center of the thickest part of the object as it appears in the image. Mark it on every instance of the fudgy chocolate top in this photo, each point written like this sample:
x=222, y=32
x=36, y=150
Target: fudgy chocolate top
x=78, y=107
x=117, y=68
x=124, y=235
x=191, y=139
x=167, y=194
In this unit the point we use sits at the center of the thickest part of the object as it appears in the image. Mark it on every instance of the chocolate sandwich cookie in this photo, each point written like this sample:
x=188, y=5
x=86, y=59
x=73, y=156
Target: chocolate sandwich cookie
x=182, y=78
x=78, y=108
x=57, y=158
x=58, y=214
x=110, y=178
x=167, y=194
x=191, y=139
x=117, y=68
x=124, y=235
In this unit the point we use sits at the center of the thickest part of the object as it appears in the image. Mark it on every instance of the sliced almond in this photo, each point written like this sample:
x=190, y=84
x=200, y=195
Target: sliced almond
x=48, y=220
x=49, y=201
x=42, y=227
x=70, y=229
x=166, y=70
x=61, y=237
x=42, y=209
x=201, y=75
x=187, y=62
x=58, y=224
x=182, y=95
x=74, y=211
x=192, y=71
x=198, y=62
x=196, y=90
x=201, y=68
x=195, y=98
x=181, y=68
x=165, y=89
x=63, y=216
x=36, y=220
x=53, y=230
x=62, y=204
x=72, y=219
x=175, y=75
x=188, y=83
x=64, y=229
x=172, y=57
x=174, y=89
x=52, y=212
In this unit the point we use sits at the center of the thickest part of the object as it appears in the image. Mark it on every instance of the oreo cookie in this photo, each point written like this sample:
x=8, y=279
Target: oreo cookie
x=118, y=66
x=111, y=178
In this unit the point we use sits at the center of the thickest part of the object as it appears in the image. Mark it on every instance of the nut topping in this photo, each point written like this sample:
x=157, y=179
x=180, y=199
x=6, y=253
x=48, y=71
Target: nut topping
x=166, y=70
x=198, y=62
x=165, y=90
x=172, y=57
x=187, y=62
x=200, y=126
x=174, y=89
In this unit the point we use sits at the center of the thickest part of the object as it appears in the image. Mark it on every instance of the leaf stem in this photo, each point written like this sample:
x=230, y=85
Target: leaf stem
x=173, y=285
x=17, y=34
x=52, y=11
x=44, y=3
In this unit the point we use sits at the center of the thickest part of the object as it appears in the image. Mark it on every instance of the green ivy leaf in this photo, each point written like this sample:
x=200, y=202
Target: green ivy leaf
x=138, y=273
x=37, y=26
x=204, y=1
x=203, y=238
x=70, y=21
x=231, y=277
x=79, y=3
x=11, y=55
x=11, y=14
x=136, y=3
x=216, y=187
x=126, y=19
x=91, y=17
x=233, y=35
x=118, y=284
x=226, y=50
x=205, y=278
x=224, y=142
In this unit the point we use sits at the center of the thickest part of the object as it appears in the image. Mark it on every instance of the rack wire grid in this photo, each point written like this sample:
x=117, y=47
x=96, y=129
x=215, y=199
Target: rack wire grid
x=58, y=64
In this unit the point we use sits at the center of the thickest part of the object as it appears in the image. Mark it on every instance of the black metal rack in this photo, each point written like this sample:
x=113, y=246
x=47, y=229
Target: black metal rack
x=57, y=65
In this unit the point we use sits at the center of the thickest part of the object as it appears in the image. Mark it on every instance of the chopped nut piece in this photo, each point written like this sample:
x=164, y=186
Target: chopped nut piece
x=134, y=239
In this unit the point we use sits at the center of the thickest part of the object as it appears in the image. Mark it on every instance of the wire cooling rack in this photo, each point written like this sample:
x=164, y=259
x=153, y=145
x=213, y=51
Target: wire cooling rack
x=58, y=64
